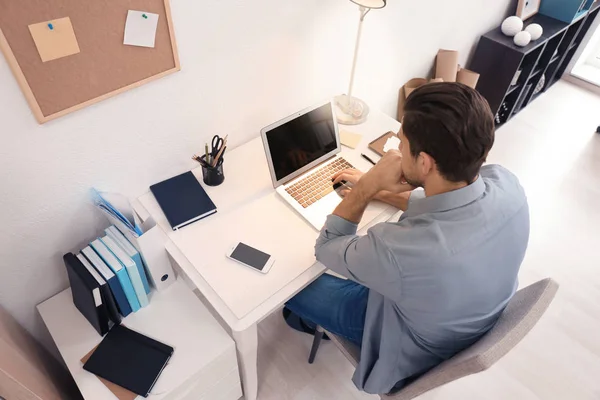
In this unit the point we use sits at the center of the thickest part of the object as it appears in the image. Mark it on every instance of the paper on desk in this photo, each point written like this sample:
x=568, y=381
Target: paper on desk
x=140, y=28
x=350, y=139
x=393, y=143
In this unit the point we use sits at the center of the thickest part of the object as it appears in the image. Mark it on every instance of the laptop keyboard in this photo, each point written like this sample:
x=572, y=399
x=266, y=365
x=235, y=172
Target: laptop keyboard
x=317, y=185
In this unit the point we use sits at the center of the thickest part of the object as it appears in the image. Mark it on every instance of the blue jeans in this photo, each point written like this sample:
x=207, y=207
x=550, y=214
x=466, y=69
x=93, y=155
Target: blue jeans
x=338, y=305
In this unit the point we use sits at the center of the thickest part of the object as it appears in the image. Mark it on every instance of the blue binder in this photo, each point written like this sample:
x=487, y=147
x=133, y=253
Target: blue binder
x=111, y=278
x=116, y=235
x=119, y=271
x=130, y=267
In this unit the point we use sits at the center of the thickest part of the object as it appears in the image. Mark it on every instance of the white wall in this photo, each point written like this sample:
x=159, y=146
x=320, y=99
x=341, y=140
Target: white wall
x=244, y=64
x=584, y=68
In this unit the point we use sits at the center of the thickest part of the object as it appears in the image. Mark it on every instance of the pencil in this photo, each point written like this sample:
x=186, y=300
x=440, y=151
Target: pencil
x=220, y=153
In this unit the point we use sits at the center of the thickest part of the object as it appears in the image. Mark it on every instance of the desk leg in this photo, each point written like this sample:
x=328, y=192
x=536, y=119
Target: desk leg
x=246, y=342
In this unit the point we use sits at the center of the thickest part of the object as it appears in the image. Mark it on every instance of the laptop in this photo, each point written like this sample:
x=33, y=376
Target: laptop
x=302, y=153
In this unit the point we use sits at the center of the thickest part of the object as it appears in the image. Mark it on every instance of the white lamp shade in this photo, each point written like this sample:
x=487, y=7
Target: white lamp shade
x=370, y=3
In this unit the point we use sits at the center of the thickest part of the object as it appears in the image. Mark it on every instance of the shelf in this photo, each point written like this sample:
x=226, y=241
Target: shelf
x=536, y=73
x=535, y=96
x=513, y=88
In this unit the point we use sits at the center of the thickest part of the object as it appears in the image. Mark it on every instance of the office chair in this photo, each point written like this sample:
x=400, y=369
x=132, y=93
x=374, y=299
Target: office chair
x=520, y=315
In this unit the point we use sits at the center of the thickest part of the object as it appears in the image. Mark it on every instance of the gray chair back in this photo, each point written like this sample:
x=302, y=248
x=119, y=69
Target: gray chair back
x=520, y=315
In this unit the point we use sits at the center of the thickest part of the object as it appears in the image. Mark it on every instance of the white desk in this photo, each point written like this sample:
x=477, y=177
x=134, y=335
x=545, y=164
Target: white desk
x=203, y=365
x=250, y=211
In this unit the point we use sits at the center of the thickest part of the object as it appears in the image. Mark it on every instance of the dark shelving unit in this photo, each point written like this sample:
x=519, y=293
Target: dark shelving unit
x=497, y=59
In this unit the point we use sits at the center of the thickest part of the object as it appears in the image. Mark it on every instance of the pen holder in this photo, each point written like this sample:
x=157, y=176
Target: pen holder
x=212, y=176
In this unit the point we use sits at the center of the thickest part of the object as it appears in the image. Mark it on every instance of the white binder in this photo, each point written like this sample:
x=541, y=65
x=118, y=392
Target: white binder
x=151, y=245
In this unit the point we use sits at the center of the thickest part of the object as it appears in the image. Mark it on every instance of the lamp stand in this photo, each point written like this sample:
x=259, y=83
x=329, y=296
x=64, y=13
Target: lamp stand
x=351, y=110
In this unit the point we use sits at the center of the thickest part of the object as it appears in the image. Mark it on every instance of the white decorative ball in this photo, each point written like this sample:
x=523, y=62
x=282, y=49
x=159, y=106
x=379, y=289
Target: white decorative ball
x=512, y=25
x=522, y=38
x=536, y=31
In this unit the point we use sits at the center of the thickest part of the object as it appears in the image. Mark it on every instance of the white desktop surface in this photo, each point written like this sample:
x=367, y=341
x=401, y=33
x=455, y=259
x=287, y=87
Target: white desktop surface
x=250, y=211
x=174, y=316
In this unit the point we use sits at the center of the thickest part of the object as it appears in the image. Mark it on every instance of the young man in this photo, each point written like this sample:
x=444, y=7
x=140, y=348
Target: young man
x=423, y=288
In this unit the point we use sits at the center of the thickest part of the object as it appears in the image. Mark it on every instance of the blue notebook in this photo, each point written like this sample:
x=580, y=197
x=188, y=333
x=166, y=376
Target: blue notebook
x=111, y=278
x=130, y=267
x=132, y=252
x=119, y=271
x=183, y=200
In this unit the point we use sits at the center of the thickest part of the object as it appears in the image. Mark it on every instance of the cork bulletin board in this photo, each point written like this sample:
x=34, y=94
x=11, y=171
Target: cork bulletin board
x=97, y=66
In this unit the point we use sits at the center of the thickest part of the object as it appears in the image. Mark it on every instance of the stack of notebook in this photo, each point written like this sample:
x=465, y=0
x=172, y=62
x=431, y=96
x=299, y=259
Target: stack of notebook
x=108, y=280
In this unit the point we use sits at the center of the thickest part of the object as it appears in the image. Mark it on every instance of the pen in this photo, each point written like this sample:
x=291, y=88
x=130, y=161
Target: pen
x=368, y=159
x=207, y=159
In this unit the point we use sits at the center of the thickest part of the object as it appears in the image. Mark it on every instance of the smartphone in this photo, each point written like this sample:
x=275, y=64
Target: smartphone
x=250, y=257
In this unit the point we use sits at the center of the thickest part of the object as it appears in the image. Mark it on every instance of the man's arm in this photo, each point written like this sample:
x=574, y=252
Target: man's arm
x=398, y=200
x=355, y=202
x=364, y=259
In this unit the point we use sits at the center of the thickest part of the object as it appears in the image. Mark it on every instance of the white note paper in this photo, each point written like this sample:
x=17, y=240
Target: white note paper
x=391, y=144
x=140, y=28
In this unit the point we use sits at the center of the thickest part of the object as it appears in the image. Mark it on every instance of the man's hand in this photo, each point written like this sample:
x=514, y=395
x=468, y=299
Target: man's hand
x=385, y=180
x=387, y=175
x=349, y=175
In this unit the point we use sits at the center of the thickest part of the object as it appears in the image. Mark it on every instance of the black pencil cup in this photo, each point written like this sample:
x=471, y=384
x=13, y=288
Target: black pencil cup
x=212, y=176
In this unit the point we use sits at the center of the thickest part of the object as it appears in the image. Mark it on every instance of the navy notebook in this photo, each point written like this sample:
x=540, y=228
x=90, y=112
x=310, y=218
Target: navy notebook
x=183, y=200
x=129, y=359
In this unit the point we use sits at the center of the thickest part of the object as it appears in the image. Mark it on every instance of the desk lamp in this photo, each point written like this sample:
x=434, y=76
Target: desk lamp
x=350, y=110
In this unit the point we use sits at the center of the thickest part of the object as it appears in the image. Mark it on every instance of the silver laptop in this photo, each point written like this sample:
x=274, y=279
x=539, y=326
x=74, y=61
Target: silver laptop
x=302, y=153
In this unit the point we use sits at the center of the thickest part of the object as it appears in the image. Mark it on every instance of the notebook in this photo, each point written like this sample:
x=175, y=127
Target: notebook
x=183, y=200
x=378, y=144
x=111, y=278
x=107, y=296
x=129, y=359
x=130, y=267
x=120, y=392
x=120, y=271
x=132, y=252
x=85, y=289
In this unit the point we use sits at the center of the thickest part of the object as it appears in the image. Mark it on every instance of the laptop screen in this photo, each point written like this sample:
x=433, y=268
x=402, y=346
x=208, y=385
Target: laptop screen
x=302, y=140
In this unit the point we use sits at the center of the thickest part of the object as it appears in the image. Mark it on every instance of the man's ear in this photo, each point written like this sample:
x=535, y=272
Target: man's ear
x=426, y=164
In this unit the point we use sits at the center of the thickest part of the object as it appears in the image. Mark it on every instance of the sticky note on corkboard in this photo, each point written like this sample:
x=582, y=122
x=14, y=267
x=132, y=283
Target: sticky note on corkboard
x=140, y=28
x=54, y=39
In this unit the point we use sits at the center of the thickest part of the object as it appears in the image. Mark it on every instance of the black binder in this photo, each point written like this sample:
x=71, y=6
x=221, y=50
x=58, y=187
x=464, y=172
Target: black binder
x=87, y=294
x=129, y=359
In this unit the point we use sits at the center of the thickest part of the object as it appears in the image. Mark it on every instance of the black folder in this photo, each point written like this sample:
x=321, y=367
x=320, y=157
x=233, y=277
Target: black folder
x=129, y=359
x=87, y=294
x=183, y=200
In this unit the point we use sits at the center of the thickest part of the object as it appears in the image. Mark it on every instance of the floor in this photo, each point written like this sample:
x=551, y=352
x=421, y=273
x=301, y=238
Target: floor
x=588, y=73
x=553, y=149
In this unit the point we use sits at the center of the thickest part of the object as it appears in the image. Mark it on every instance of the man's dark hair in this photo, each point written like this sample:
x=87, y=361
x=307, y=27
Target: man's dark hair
x=453, y=124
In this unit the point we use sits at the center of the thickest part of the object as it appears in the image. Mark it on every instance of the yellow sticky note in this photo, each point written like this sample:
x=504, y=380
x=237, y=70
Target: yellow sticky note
x=350, y=139
x=54, y=39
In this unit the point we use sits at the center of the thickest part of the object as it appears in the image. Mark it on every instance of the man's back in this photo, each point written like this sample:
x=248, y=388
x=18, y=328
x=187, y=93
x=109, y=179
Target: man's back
x=438, y=278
